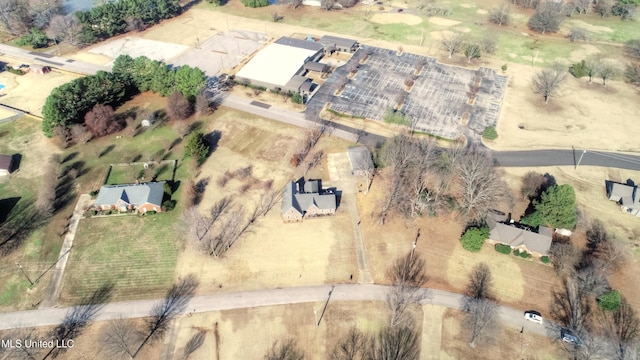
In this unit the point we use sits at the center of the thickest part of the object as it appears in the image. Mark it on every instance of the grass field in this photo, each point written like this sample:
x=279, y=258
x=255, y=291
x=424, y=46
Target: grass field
x=40, y=249
x=134, y=253
x=128, y=174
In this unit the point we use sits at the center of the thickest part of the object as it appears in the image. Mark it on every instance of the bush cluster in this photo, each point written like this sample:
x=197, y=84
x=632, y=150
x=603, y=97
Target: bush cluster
x=545, y=259
x=503, y=249
x=522, y=254
x=490, y=133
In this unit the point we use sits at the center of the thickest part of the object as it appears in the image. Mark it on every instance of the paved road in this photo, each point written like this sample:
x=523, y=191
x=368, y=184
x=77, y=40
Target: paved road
x=33, y=57
x=250, y=299
x=530, y=158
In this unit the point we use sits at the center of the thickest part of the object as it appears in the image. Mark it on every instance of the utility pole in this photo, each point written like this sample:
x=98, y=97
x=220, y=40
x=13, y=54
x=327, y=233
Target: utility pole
x=415, y=243
x=24, y=273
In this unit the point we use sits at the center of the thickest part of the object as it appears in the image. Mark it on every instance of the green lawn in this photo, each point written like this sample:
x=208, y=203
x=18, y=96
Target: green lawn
x=137, y=254
x=128, y=174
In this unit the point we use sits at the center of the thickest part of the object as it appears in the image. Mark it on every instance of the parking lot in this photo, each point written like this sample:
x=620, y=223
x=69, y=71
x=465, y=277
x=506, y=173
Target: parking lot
x=438, y=101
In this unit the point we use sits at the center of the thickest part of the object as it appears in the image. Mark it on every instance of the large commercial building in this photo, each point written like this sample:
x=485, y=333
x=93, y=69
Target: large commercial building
x=280, y=65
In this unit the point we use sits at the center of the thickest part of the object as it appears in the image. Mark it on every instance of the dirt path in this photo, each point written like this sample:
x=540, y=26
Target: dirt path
x=55, y=286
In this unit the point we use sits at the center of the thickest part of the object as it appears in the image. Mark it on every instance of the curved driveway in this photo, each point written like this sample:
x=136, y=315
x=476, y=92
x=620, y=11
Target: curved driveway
x=249, y=299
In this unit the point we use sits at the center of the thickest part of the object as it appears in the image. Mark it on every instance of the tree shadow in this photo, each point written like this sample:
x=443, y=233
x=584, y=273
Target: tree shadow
x=213, y=138
x=106, y=150
x=630, y=182
x=161, y=170
x=3, y=133
x=161, y=118
x=136, y=158
x=199, y=189
x=70, y=156
x=175, y=143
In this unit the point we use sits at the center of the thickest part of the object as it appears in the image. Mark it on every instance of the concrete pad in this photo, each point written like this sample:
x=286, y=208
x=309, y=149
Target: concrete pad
x=135, y=47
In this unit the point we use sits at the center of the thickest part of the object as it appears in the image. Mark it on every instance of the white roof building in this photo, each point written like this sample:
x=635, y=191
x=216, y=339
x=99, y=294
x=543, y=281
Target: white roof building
x=275, y=65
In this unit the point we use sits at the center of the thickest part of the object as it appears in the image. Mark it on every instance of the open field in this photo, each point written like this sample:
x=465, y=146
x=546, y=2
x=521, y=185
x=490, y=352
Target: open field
x=128, y=174
x=250, y=333
x=134, y=253
x=500, y=343
x=29, y=91
x=518, y=283
x=41, y=248
x=317, y=251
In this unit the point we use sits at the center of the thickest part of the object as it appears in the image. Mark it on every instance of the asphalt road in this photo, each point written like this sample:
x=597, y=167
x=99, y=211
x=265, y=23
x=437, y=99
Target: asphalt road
x=250, y=299
x=33, y=57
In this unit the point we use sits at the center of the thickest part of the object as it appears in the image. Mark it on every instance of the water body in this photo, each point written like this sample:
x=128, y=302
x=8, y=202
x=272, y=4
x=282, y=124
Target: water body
x=71, y=6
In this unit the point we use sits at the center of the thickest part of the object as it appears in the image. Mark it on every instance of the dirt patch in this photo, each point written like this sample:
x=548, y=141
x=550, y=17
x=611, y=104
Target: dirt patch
x=584, y=52
x=392, y=18
x=91, y=57
x=482, y=12
x=28, y=92
x=577, y=113
x=135, y=47
x=443, y=22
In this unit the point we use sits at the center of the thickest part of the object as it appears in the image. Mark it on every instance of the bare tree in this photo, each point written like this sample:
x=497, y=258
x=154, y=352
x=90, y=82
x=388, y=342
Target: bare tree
x=80, y=133
x=285, y=350
x=199, y=226
x=548, y=81
x=121, y=337
x=603, y=7
x=21, y=221
x=408, y=275
x=600, y=245
x=452, y=42
x=489, y=44
x=579, y=34
x=14, y=16
x=500, y=15
x=481, y=187
x=396, y=343
x=101, y=120
x=591, y=278
x=354, y=347
x=533, y=184
x=623, y=329
x=570, y=306
x=608, y=70
x=47, y=193
x=565, y=258
x=479, y=303
x=178, y=107
x=78, y=317
x=167, y=309
x=296, y=3
x=268, y=201
x=202, y=105
x=27, y=336
x=481, y=315
x=194, y=344
x=65, y=28
x=547, y=18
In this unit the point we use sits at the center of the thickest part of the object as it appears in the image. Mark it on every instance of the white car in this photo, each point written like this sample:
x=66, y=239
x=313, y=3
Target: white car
x=533, y=316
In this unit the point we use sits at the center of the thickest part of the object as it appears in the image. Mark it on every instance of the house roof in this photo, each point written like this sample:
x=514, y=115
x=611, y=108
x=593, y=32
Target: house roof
x=624, y=194
x=302, y=201
x=360, y=158
x=296, y=82
x=514, y=236
x=315, y=66
x=338, y=41
x=133, y=194
x=5, y=162
x=307, y=86
x=277, y=63
x=302, y=44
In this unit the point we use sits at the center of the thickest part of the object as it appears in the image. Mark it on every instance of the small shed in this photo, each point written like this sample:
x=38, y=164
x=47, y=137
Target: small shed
x=39, y=69
x=6, y=162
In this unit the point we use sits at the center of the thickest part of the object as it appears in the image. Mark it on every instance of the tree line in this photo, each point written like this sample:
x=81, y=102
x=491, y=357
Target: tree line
x=69, y=103
x=38, y=21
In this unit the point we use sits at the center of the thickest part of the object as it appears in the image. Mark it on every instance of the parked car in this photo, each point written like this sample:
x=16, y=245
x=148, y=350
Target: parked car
x=569, y=337
x=533, y=316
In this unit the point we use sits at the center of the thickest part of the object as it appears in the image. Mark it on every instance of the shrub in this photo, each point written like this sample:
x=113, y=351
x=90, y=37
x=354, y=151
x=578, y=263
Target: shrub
x=524, y=255
x=490, y=133
x=35, y=38
x=578, y=70
x=297, y=98
x=610, y=301
x=93, y=193
x=94, y=212
x=150, y=212
x=503, y=249
x=545, y=259
x=632, y=73
x=255, y=3
x=504, y=67
x=169, y=205
x=167, y=189
x=474, y=238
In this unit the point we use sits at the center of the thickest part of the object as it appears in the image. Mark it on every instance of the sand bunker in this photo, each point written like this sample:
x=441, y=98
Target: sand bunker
x=443, y=22
x=391, y=18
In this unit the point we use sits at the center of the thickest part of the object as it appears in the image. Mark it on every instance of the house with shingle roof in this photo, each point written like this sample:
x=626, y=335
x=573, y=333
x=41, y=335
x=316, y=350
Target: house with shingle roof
x=518, y=236
x=626, y=196
x=6, y=161
x=131, y=197
x=302, y=199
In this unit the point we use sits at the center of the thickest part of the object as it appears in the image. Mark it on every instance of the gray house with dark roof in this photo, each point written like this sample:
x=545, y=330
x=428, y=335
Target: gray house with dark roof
x=518, y=236
x=302, y=199
x=131, y=197
x=626, y=196
x=334, y=43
